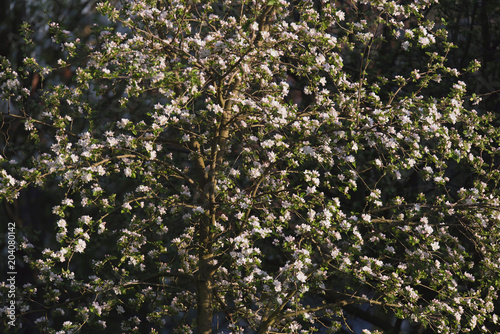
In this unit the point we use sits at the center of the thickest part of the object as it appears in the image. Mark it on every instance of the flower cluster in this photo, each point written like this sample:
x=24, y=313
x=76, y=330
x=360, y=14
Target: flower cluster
x=225, y=158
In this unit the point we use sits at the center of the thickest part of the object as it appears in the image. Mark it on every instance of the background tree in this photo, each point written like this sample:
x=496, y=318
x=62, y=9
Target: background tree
x=200, y=195
x=475, y=30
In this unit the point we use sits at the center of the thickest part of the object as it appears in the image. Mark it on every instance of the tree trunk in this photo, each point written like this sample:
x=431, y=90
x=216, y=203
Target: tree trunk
x=486, y=37
x=206, y=256
x=205, y=294
x=205, y=275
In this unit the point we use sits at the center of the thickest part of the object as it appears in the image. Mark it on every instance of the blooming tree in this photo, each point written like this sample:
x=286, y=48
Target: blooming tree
x=244, y=166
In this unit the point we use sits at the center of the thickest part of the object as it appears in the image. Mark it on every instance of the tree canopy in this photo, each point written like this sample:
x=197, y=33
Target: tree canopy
x=254, y=167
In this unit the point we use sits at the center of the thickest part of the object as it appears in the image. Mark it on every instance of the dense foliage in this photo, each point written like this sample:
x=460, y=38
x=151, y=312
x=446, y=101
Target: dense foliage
x=254, y=166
